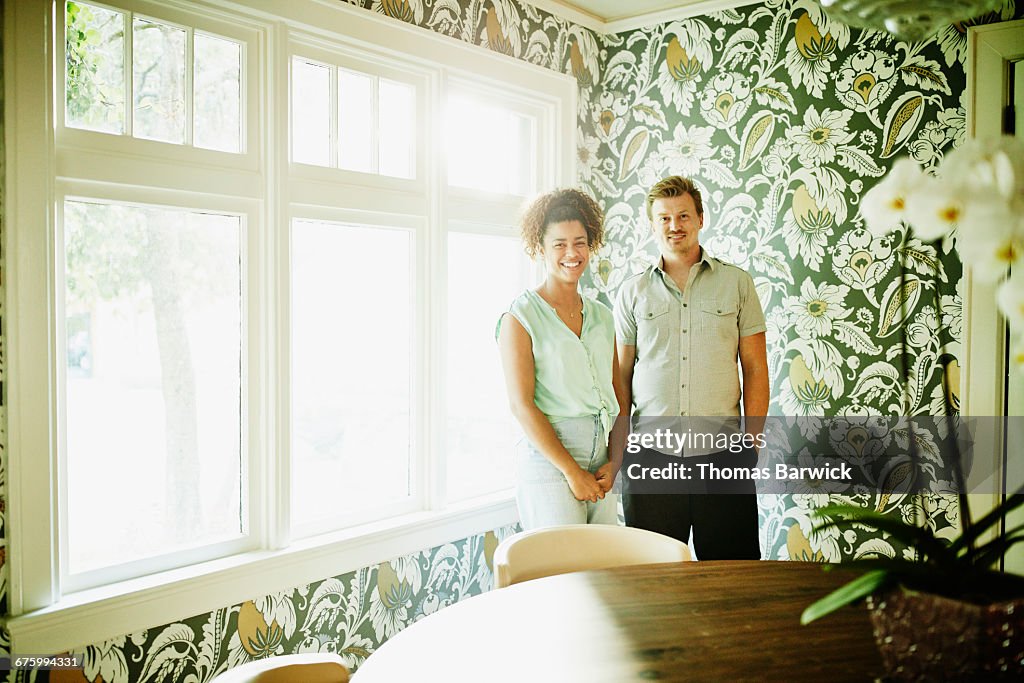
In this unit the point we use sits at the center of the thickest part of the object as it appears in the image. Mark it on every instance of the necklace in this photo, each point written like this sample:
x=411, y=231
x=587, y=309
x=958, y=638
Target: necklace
x=572, y=311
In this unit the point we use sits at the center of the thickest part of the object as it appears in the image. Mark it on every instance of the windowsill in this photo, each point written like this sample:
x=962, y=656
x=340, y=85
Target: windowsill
x=94, y=615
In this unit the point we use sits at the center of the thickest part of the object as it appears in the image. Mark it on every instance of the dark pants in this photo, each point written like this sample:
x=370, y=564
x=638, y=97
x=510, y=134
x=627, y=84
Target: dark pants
x=724, y=524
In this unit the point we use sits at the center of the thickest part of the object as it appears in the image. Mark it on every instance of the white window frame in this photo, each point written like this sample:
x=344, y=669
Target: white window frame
x=263, y=185
x=340, y=57
x=522, y=103
x=248, y=540
x=415, y=227
x=209, y=23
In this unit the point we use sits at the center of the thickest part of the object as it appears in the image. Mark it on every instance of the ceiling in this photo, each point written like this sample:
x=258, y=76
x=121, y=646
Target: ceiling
x=612, y=16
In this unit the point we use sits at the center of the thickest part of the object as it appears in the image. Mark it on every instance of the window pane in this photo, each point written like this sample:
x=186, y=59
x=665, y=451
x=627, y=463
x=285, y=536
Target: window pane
x=311, y=113
x=471, y=124
x=485, y=274
x=94, y=56
x=217, y=83
x=397, y=128
x=521, y=160
x=153, y=393
x=355, y=121
x=351, y=349
x=488, y=147
x=158, y=72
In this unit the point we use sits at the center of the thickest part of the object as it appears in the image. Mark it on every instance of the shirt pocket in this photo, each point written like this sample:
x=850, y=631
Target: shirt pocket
x=653, y=324
x=651, y=311
x=719, y=321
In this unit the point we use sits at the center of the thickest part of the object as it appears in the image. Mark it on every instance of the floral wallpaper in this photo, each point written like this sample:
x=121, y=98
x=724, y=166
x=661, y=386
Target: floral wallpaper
x=349, y=614
x=786, y=118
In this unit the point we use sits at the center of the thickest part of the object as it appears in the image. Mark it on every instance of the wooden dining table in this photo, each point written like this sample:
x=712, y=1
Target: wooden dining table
x=685, y=621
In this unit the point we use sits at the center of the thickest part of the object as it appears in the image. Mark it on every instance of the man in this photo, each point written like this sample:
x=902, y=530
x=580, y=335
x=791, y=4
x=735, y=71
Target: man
x=680, y=326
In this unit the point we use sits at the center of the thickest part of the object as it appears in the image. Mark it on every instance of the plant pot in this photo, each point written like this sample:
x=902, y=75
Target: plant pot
x=925, y=637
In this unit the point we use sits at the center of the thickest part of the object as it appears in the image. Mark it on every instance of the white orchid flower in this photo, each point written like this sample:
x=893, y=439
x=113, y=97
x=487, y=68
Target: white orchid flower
x=884, y=205
x=934, y=208
x=990, y=239
x=989, y=167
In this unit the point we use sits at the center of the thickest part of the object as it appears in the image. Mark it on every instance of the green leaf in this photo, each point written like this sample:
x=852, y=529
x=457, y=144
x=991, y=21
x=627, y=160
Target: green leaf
x=844, y=595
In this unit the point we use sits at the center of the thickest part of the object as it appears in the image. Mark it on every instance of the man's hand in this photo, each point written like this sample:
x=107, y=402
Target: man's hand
x=606, y=476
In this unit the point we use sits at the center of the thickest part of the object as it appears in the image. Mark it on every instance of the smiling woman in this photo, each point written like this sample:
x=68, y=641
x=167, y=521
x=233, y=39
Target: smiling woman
x=558, y=354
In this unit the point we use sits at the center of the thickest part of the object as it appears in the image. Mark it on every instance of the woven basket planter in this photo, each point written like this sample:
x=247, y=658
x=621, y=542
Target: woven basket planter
x=925, y=637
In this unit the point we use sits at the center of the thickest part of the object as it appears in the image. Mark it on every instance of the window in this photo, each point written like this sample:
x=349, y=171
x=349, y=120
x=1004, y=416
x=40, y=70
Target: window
x=152, y=410
x=486, y=270
x=254, y=294
x=507, y=165
x=352, y=371
x=217, y=82
x=311, y=113
x=94, y=68
x=485, y=273
x=352, y=120
x=185, y=86
x=155, y=294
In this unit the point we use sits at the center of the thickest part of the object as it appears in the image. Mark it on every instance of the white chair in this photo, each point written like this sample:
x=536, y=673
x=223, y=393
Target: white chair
x=301, y=668
x=576, y=547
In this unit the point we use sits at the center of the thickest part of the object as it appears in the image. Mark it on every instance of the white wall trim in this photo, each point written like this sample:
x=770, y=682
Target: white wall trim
x=654, y=18
x=28, y=227
x=571, y=13
x=629, y=22
x=988, y=48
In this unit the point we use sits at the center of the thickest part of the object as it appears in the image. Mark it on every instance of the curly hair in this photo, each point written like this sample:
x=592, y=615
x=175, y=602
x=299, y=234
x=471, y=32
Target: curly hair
x=675, y=186
x=558, y=206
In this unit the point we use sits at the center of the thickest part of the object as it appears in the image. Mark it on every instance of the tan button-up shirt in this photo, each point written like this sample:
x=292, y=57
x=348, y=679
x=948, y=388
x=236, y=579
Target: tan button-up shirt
x=687, y=342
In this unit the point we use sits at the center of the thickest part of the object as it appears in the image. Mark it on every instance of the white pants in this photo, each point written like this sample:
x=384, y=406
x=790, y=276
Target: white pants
x=542, y=492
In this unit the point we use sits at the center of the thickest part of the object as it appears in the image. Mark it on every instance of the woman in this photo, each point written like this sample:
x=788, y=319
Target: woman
x=558, y=354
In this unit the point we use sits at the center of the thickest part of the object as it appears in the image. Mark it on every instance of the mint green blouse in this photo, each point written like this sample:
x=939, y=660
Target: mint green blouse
x=573, y=375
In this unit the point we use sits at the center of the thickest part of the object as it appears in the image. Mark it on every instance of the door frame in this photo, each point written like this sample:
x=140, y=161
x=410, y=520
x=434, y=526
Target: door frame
x=991, y=51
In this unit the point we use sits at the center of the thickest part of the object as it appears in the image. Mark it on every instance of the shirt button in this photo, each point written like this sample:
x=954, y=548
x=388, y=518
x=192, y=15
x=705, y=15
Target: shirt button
x=684, y=305
x=682, y=412
x=684, y=330
x=683, y=386
x=684, y=357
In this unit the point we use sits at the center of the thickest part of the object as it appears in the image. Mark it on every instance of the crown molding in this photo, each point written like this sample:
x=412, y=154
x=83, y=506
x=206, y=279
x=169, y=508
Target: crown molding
x=663, y=16
x=600, y=25
x=572, y=13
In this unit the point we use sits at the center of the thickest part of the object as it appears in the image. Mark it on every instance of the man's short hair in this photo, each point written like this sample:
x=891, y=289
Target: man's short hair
x=674, y=186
